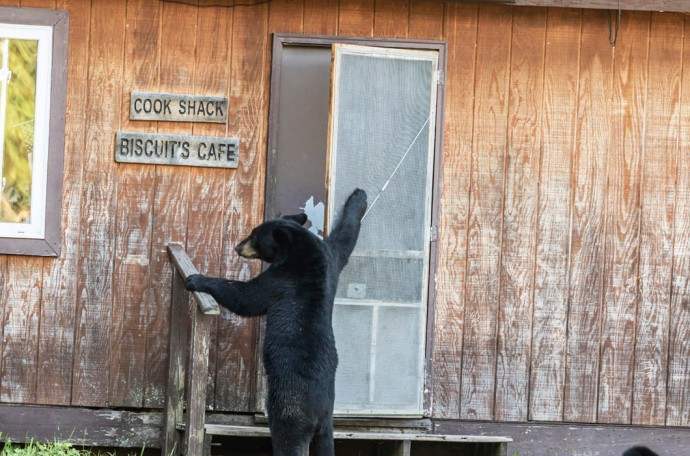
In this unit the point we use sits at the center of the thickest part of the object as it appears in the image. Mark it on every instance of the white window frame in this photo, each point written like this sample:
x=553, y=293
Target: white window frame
x=35, y=229
x=41, y=236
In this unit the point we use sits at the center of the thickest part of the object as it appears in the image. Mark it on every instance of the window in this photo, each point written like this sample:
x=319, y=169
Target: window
x=33, y=59
x=365, y=113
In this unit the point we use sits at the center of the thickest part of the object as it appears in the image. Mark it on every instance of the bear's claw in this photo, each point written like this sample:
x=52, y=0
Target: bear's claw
x=357, y=201
x=192, y=282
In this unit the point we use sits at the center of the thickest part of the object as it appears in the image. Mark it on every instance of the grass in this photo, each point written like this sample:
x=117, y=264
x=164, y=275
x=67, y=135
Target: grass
x=50, y=449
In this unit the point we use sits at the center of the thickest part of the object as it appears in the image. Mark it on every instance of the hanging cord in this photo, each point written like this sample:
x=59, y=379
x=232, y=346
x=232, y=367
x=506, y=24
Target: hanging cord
x=398, y=165
x=613, y=34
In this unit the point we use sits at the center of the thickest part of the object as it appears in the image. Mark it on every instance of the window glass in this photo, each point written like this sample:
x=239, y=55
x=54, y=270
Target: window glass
x=18, y=100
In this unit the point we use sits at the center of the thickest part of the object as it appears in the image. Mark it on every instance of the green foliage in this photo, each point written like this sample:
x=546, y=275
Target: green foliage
x=19, y=130
x=49, y=449
x=40, y=449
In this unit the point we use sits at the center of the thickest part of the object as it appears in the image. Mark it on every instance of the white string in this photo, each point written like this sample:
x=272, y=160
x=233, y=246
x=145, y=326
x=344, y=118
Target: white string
x=397, y=166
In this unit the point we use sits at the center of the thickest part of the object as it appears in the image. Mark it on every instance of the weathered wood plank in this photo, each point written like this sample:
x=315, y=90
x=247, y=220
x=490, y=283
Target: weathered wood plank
x=206, y=193
x=208, y=187
x=81, y=426
x=485, y=216
x=426, y=19
x=264, y=431
x=132, y=293
x=184, y=267
x=173, y=409
x=356, y=18
x=236, y=364
x=23, y=282
x=656, y=232
x=320, y=17
x=96, y=251
x=547, y=372
x=589, y=165
x=56, y=336
x=621, y=259
x=212, y=75
x=644, y=5
x=391, y=18
x=678, y=394
x=460, y=27
x=520, y=215
x=285, y=16
x=170, y=186
x=574, y=440
x=197, y=368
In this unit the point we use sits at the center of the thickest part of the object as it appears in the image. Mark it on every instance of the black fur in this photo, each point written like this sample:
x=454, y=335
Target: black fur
x=296, y=294
x=639, y=451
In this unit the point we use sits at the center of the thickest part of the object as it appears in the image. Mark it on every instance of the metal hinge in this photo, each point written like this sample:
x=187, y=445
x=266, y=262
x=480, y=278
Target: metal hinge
x=433, y=234
x=438, y=77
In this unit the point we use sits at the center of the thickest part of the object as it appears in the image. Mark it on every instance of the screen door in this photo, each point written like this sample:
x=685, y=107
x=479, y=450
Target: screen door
x=382, y=124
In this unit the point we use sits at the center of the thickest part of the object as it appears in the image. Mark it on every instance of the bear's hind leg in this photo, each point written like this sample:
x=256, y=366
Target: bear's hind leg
x=289, y=437
x=298, y=450
x=322, y=443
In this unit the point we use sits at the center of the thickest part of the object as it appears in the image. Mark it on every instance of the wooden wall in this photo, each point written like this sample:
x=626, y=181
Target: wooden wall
x=563, y=288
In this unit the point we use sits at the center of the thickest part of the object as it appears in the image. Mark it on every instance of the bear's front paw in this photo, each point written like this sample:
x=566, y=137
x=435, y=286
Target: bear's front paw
x=357, y=202
x=193, y=282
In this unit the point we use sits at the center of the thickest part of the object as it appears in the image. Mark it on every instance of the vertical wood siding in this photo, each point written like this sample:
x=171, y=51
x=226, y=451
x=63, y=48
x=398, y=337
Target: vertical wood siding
x=562, y=289
x=248, y=104
x=460, y=26
x=520, y=204
x=551, y=274
x=93, y=326
x=588, y=192
x=678, y=386
x=132, y=278
x=58, y=306
x=485, y=217
x=621, y=258
x=207, y=186
x=658, y=193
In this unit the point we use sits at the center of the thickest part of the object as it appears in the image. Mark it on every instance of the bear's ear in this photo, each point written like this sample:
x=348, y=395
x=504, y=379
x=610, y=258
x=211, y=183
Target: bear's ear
x=299, y=218
x=282, y=235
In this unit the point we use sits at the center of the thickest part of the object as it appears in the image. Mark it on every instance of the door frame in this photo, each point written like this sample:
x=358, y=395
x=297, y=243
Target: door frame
x=281, y=40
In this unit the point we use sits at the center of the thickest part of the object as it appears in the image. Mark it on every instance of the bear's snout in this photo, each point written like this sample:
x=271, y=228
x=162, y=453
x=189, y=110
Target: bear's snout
x=245, y=250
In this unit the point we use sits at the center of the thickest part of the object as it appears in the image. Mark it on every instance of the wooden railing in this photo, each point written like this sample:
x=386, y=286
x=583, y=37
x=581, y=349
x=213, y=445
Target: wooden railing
x=189, y=390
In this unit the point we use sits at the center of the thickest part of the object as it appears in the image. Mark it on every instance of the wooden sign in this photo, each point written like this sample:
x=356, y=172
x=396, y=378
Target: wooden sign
x=178, y=108
x=185, y=150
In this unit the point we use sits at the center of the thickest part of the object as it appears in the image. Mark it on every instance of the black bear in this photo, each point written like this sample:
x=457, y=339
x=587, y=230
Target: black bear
x=296, y=294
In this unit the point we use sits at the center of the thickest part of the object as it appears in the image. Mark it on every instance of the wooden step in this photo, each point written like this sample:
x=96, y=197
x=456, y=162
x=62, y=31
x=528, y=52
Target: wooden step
x=387, y=443
x=263, y=431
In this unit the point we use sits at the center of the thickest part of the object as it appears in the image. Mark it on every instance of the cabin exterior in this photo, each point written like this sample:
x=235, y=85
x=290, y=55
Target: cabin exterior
x=558, y=287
